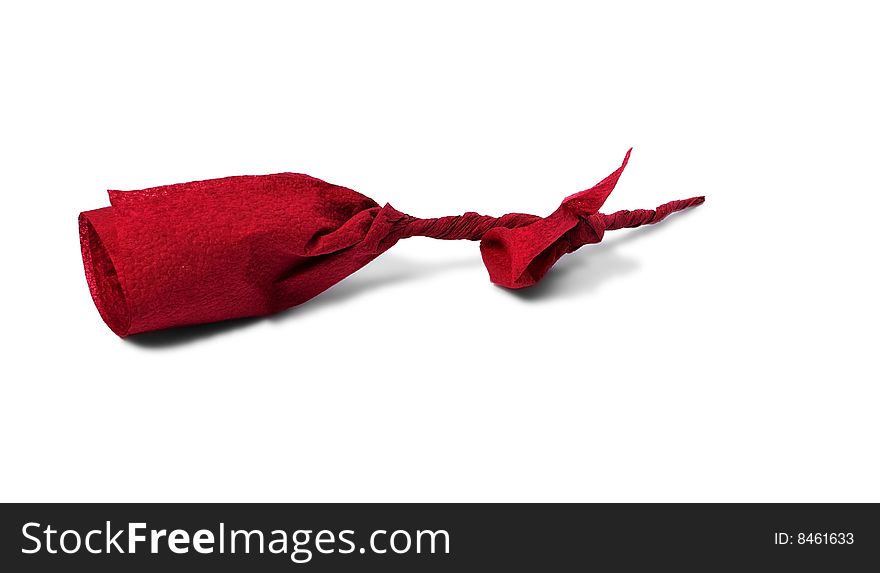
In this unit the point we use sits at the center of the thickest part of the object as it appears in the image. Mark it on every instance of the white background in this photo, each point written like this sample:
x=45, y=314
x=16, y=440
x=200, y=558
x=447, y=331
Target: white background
x=729, y=353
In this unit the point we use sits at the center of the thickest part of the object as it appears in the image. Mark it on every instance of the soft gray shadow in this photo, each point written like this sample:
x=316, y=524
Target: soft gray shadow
x=583, y=271
x=389, y=269
x=186, y=334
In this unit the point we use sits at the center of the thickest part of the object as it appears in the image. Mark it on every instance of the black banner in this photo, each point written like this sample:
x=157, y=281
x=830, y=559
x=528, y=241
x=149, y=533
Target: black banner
x=429, y=537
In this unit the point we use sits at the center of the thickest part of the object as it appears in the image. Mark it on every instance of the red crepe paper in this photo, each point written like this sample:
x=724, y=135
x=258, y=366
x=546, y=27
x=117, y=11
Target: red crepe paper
x=254, y=245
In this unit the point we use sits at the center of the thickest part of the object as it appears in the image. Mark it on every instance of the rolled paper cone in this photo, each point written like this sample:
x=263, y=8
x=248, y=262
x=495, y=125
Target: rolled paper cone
x=249, y=246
